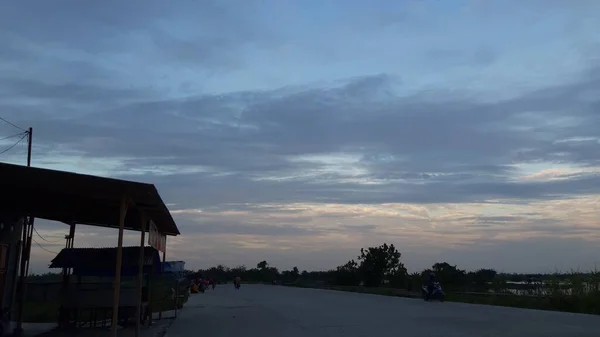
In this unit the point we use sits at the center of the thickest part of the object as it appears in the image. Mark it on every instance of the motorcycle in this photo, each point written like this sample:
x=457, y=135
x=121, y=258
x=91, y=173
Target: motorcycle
x=237, y=285
x=436, y=294
x=201, y=286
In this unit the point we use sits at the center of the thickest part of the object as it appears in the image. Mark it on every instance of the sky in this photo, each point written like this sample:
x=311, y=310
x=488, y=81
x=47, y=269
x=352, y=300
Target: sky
x=299, y=131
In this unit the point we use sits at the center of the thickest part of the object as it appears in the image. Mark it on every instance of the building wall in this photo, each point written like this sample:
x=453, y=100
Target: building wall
x=10, y=235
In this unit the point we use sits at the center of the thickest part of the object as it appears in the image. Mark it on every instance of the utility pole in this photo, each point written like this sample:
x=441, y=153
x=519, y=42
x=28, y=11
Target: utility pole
x=29, y=140
x=25, y=250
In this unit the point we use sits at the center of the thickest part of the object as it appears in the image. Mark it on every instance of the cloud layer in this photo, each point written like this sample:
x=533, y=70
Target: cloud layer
x=298, y=132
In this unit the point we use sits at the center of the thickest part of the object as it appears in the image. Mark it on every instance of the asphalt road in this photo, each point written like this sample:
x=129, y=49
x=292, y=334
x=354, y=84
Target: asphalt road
x=274, y=311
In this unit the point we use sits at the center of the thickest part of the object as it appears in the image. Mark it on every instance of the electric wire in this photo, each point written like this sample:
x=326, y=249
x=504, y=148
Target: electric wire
x=15, y=144
x=48, y=250
x=12, y=124
x=12, y=136
x=43, y=238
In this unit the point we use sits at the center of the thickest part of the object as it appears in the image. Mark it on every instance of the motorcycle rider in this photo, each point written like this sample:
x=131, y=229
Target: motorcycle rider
x=431, y=283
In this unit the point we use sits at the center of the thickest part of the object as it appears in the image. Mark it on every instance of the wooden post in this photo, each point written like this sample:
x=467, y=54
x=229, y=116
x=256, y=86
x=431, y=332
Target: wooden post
x=69, y=244
x=72, y=234
x=72, y=242
x=162, y=276
x=15, y=279
x=29, y=142
x=29, y=239
x=140, y=277
x=25, y=255
x=150, y=284
x=117, y=281
x=176, y=296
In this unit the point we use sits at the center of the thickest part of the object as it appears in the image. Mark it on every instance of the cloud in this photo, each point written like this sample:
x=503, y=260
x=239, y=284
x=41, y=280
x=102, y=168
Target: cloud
x=271, y=128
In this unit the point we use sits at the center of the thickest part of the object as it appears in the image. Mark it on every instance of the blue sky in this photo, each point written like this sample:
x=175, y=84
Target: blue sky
x=300, y=131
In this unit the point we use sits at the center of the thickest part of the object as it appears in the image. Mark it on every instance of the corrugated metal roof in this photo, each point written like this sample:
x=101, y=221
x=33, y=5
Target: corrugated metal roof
x=103, y=258
x=78, y=198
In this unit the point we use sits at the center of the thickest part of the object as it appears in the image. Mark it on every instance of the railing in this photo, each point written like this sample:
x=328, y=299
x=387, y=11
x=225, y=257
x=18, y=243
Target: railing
x=51, y=291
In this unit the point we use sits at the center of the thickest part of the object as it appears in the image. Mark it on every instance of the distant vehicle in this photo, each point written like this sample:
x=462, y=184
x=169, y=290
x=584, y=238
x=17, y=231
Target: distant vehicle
x=436, y=294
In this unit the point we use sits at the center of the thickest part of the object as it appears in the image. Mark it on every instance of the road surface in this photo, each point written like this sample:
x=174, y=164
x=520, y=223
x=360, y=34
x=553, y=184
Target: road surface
x=277, y=311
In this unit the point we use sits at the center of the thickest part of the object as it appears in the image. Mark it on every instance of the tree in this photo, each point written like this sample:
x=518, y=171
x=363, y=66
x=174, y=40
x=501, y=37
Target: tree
x=398, y=278
x=380, y=263
x=448, y=274
x=347, y=275
x=262, y=265
x=414, y=281
x=483, y=276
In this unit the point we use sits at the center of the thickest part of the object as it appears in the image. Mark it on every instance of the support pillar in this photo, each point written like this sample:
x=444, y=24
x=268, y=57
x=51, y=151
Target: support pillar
x=162, y=277
x=25, y=255
x=140, y=277
x=117, y=281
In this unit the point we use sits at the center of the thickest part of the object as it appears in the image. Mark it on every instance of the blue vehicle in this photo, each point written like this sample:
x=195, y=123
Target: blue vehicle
x=436, y=293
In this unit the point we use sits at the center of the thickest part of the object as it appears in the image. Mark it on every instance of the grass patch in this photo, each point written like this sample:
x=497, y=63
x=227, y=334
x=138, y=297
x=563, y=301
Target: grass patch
x=588, y=303
x=584, y=304
x=162, y=300
x=40, y=312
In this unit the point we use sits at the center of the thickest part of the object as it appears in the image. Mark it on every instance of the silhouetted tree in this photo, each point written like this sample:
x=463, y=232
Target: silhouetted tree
x=447, y=274
x=262, y=265
x=482, y=276
x=347, y=275
x=379, y=263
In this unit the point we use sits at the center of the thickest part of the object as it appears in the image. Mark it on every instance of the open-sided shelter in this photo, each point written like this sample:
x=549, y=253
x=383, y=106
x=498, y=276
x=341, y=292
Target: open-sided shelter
x=75, y=198
x=85, y=302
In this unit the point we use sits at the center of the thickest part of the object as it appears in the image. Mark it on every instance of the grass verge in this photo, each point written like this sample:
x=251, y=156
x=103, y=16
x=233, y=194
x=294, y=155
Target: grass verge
x=586, y=304
x=47, y=312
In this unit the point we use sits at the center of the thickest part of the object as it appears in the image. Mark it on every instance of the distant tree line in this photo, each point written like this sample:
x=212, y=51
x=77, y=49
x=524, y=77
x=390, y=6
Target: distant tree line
x=378, y=267
x=373, y=267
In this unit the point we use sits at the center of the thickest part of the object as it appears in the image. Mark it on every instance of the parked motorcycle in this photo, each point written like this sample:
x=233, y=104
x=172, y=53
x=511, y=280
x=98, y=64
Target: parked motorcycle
x=436, y=294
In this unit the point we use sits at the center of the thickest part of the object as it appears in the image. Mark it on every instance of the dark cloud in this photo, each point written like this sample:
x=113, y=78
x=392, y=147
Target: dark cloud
x=100, y=28
x=416, y=150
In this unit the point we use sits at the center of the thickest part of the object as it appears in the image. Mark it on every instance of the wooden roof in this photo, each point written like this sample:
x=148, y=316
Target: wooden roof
x=78, y=198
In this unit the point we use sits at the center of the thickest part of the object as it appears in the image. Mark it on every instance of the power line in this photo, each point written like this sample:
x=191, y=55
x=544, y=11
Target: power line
x=13, y=136
x=43, y=238
x=48, y=250
x=15, y=144
x=9, y=123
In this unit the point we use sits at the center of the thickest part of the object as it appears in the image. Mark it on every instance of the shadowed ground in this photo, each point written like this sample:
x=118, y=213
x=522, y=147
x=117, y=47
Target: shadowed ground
x=273, y=311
